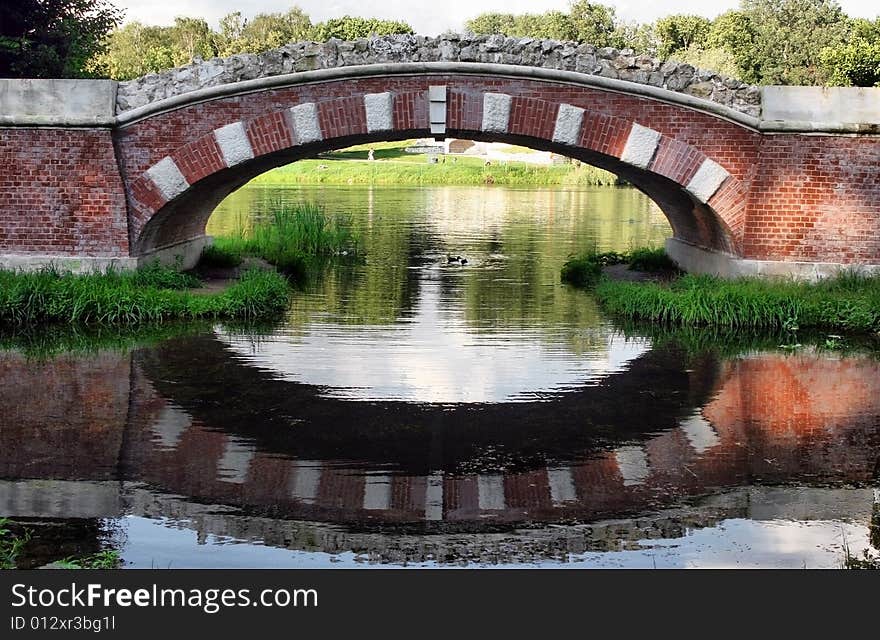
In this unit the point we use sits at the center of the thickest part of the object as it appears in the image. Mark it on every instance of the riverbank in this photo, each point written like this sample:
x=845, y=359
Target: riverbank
x=395, y=166
x=149, y=295
x=847, y=303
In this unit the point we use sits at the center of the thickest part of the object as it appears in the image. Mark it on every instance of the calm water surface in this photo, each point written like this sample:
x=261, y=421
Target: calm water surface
x=414, y=411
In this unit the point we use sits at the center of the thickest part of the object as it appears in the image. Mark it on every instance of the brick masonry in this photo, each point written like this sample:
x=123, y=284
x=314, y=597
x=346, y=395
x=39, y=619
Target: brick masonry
x=723, y=186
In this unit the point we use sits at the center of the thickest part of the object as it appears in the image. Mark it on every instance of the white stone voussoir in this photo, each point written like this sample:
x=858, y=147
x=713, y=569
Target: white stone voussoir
x=306, y=125
x=380, y=111
x=568, y=125
x=234, y=144
x=707, y=180
x=640, y=146
x=168, y=179
x=496, y=111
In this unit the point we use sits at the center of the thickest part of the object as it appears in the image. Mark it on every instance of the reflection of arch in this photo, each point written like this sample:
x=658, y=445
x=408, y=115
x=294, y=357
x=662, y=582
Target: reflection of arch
x=656, y=146
x=589, y=453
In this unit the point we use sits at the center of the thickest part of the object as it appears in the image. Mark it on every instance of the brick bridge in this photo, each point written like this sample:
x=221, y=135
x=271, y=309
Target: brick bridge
x=89, y=179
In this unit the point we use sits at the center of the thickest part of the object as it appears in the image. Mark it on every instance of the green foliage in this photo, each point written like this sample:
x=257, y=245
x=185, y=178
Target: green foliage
x=678, y=32
x=552, y=25
x=582, y=271
x=586, y=270
x=288, y=239
x=393, y=165
x=718, y=60
x=857, y=62
x=593, y=23
x=585, y=22
x=10, y=544
x=221, y=254
x=157, y=275
x=53, y=38
x=789, y=36
x=846, y=303
x=265, y=31
x=50, y=297
x=651, y=260
x=736, y=33
x=108, y=559
x=353, y=27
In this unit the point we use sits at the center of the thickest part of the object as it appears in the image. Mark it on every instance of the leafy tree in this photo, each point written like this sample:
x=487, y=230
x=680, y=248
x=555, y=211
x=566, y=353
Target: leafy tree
x=737, y=33
x=266, y=31
x=488, y=23
x=641, y=38
x=593, y=23
x=718, y=60
x=135, y=50
x=353, y=27
x=856, y=63
x=680, y=31
x=53, y=38
x=789, y=36
x=191, y=38
x=551, y=25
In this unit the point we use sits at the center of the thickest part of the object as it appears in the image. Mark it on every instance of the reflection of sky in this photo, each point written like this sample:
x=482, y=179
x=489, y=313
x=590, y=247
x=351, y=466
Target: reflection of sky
x=434, y=357
x=731, y=544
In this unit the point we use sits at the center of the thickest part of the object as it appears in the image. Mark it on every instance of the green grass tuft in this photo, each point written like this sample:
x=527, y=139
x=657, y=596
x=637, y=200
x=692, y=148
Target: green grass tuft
x=846, y=303
x=652, y=260
x=129, y=298
x=288, y=239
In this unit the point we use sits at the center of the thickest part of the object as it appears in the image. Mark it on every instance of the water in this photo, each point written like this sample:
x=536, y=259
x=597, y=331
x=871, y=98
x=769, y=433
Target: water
x=410, y=411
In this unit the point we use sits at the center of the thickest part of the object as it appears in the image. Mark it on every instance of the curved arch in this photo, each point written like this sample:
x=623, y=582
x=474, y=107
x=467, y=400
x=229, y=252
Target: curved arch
x=172, y=199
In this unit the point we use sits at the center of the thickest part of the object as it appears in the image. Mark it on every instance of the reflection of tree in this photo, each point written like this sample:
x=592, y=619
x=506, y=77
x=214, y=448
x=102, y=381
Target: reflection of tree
x=515, y=240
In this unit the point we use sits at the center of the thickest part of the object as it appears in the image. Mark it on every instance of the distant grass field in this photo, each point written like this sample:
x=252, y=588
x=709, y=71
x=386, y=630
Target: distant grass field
x=393, y=165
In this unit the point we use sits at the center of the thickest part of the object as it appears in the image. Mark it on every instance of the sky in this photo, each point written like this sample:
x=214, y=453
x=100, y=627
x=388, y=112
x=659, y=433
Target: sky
x=430, y=17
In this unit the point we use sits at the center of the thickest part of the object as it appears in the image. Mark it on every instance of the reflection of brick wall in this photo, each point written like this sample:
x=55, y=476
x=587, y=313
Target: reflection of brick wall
x=772, y=418
x=793, y=412
x=63, y=418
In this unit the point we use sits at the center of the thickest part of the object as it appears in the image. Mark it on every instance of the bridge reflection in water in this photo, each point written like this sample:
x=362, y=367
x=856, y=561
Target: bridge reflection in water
x=190, y=431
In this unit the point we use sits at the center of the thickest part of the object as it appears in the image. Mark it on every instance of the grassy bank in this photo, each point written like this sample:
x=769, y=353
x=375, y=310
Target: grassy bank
x=287, y=239
x=846, y=303
x=154, y=294
x=586, y=270
x=394, y=166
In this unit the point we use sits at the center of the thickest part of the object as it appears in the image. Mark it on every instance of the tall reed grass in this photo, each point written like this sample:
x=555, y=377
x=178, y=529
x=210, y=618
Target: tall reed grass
x=846, y=303
x=128, y=298
x=287, y=238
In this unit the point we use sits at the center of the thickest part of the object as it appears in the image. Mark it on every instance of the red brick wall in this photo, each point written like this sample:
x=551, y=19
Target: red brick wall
x=61, y=193
x=816, y=199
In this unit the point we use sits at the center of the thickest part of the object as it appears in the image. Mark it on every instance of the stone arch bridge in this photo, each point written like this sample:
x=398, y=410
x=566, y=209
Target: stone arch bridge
x=782, y=180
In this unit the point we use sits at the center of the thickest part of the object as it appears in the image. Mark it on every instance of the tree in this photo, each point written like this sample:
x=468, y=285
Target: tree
x=736, y=33
x=135, y=50
x=191, y=38
x=489, y=23
x=353, y=27
x=592, y=23
x=266, y=31
x=790, y=35
x=856, y=63
x=679, y=32
x=53, y=38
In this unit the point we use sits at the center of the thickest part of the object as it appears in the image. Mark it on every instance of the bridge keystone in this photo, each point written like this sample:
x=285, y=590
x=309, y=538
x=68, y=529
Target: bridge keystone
x=234, y=144
x=640, y=146
x=496, y=112
x=168, y=178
